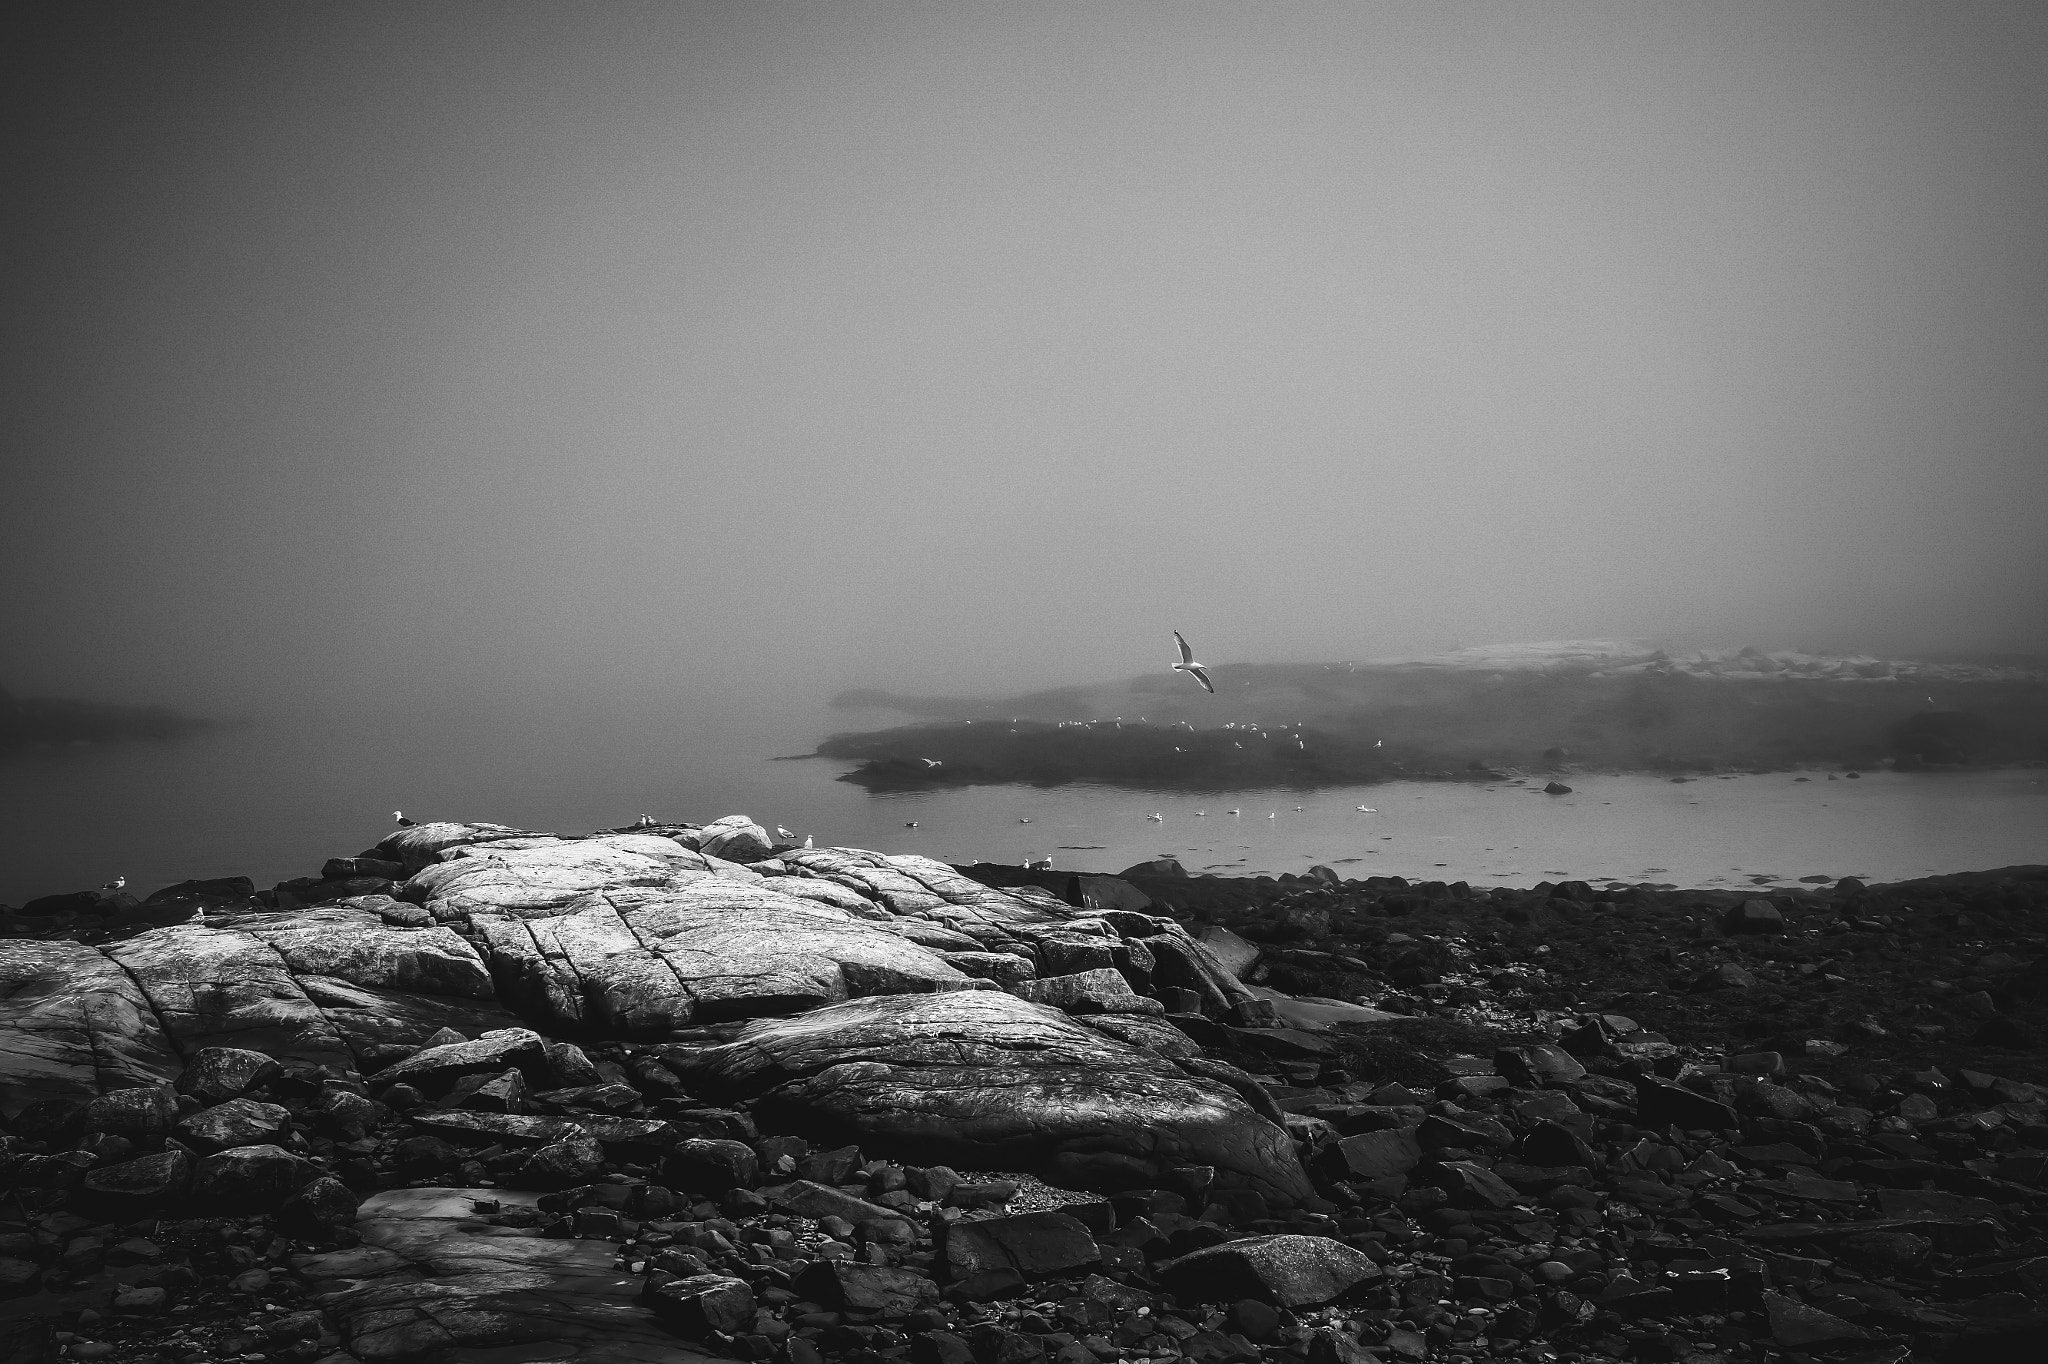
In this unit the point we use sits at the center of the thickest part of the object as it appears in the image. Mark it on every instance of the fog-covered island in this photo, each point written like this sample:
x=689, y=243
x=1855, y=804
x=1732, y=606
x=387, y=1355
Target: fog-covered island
x=1608, y=705
x=28, y=723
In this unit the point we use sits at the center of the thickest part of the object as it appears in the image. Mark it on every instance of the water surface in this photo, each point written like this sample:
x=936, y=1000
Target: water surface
x=274, y=799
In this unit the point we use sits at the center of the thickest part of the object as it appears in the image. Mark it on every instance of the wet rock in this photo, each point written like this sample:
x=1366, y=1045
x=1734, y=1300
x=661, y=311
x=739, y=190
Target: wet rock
x=1753, y=916
x=1794, y=1325
x=141, y=1112
x=251, y=1178
x=701, y=1304
x=563, y=1165
x=1286, y=1269
x=711, y=1165
x=843, y=1285
x=432, y=1275
x=145, y=1182
x=1538, y=1065
x=1375, y=1156
x=1659, y=1103
x=322, y=1205
x=238, y=1122
x=996, y=1256
x=434, y=1070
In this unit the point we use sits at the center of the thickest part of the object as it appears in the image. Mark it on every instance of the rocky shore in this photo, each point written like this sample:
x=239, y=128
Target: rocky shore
x=679, y=1092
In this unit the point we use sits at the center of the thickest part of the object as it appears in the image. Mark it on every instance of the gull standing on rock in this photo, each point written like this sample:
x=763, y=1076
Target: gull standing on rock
x=1188, y=665
x=398, y=818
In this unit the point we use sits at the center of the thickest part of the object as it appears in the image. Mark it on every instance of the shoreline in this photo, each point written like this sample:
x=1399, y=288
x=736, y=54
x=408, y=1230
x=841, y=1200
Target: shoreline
x=1570, y=1119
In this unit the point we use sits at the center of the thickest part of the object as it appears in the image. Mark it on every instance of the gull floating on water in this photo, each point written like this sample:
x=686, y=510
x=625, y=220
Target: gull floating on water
x=1188, y=665
x=910, y=824
x=1233, y=812
x=1366, y=810
x=1160, y=819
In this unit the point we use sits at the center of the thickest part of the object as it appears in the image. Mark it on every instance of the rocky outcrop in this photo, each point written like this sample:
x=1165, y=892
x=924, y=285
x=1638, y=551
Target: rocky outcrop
x=798, y=1167
x=638, y=934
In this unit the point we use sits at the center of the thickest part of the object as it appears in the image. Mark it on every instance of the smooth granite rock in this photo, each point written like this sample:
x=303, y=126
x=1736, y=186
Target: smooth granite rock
x=214, y=987
x=981, y=1078
x=73, y=1025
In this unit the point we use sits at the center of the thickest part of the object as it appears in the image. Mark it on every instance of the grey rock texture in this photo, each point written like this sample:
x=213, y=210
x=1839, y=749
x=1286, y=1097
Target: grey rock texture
x=986, y=1076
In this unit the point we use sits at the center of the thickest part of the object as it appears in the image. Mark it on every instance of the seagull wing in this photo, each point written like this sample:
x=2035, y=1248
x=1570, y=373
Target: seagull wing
x=1187, y=655
x=1202, y=677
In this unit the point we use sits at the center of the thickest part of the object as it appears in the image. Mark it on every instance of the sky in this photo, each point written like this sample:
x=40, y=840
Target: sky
x=392, y=355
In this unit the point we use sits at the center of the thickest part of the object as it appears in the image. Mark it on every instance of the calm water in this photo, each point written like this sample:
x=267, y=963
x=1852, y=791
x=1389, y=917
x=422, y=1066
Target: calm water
x=274, y=800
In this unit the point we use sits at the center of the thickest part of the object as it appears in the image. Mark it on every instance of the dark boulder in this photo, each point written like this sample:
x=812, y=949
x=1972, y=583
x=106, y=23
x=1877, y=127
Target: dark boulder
x=216, y=1074
x=997, y=1256
x=251, y=1178
x=1288, y=1270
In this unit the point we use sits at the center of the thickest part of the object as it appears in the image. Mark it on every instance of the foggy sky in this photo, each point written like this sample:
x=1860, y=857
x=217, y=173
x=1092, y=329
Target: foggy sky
x=417, y=352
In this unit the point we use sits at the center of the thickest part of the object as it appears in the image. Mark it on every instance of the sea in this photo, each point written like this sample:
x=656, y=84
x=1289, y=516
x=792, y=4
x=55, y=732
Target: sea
x=273, y=799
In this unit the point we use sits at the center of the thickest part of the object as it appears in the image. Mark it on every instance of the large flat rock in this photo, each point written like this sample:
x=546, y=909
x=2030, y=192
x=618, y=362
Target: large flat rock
x=431, y=1276
x=73, y=1025
x=212, y=987
x=986, y=1078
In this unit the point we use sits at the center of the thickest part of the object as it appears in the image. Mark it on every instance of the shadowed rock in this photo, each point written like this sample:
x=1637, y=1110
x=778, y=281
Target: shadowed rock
x=431, y=1276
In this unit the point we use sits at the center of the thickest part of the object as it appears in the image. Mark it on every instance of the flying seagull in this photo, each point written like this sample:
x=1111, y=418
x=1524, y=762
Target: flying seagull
x=1188, y=665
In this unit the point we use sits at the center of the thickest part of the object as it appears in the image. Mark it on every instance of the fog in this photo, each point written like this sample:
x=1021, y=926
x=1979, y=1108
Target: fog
x=721, y=356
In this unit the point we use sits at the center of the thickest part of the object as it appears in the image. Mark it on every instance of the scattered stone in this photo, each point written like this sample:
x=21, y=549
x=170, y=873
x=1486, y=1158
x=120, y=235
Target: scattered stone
x=1289, y=1270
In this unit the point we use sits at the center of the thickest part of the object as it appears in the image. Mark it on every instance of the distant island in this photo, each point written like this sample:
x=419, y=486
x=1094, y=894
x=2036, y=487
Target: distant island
x=1473, y=714
x=30, y=723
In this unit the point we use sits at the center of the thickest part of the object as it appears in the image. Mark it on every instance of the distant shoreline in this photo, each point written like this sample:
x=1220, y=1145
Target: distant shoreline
x=1549, y=710
x=41, y=724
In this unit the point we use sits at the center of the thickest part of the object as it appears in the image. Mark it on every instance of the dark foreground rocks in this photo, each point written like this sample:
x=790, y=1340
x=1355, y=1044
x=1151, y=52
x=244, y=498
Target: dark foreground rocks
x=627, y=1098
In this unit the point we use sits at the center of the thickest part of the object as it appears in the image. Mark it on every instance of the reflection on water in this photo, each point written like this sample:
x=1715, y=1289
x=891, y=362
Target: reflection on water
x=273, y=801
